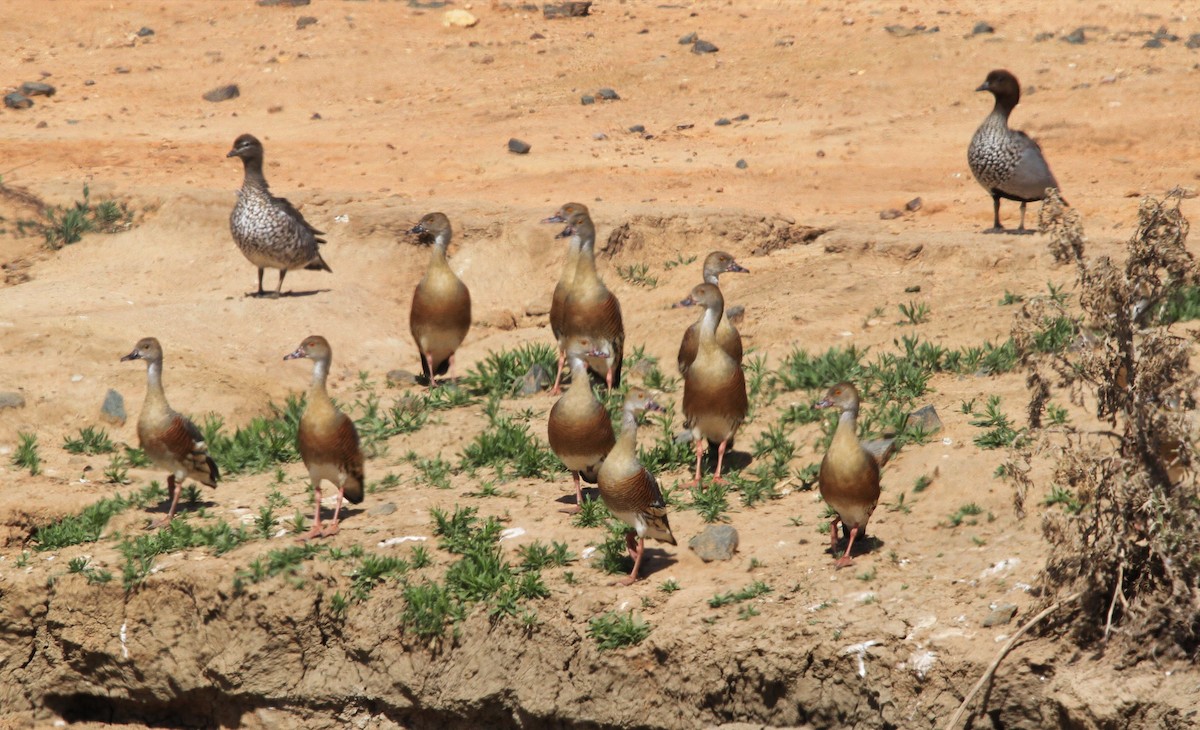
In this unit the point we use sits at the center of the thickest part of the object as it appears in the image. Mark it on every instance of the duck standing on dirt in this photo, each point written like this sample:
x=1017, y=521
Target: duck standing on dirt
x=849, y=476
x=579, y=429
x=589, y=309
x=559, y=300
x=714, y=388
x=269, y=230
x=630, y=492
x=327, y=439
x=170, y=440
x=1007, y=162
x=715, y=264
x=441, y=304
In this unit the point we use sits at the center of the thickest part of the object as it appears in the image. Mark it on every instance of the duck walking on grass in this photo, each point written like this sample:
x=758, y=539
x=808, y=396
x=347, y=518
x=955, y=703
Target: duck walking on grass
x=441, y=305
x=170, y=440
x=328, y=439
x=715, y=264
x=630, y=492
x=579, y=429
x=269, y=230
x=849, y=476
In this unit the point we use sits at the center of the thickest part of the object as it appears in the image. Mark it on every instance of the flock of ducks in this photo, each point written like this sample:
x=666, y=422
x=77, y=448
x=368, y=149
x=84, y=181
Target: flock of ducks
x=586, y=322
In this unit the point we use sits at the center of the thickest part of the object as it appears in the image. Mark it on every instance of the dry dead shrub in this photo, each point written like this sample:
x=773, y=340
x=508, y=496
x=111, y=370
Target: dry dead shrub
x=1129, y=540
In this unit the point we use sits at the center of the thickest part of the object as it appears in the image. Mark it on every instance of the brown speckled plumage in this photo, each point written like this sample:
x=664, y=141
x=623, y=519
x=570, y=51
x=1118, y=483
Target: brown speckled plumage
x=270, y=232
x=849, y=476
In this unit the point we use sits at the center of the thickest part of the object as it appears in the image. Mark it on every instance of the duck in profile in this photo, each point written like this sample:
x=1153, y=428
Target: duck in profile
x=849, y=476
x=715, y=264
x=269, y=230
x=579, y=429
x=714, y=388
x=589, y=309
x=563, y=287
x=630, y=492
x=170, y=440
x=328, y=439
x=441, y=303
x=1007, y=162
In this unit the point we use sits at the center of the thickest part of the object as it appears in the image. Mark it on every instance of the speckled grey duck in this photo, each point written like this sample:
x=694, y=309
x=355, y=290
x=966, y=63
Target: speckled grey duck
x=327, y=439
x=1007, y=162
x=849, y=476
x=715, y=264
x=269, y=230
x=630, y=492
x=441, y=305
x=170, y=440
x=579, y=429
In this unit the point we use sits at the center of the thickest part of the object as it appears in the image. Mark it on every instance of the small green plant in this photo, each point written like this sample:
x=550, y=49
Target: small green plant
x=711, y=502
x=613, y=556
x=509, y=444
x=435, y=472
x=389, y=481
x=90, y=441
x=63, y=226
x=429, y=608
x=338, y=605
x=801, y=371
x=117, y=471
x=1057, y=415
x=1000, y=433
x=26, y=456
x=748, y=611
x=536, y=555
x=670, y=585
x=614, y=630
x=500, y=374
x=967, y=510
x=679, y=260
x=592, y=513
x=266, y=522
x=23, y=559
x=1010, y=299
x=754, y=590
x=914, y=313
x=900, y=505
x=922, y=483
x=1065, y=497
x=190, y=495
x=260, y=445
x=638, y=275
x=868, y=576
x=372, y=570
x=276, y=500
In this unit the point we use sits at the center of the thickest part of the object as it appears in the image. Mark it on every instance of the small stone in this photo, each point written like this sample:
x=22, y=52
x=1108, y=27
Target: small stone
x=535, y=380
x=982, y=27
x=741, y=165
x=889, y=214
x=704, y=47
x=735, y=314
x=519, y=147
x=145, y=32
x=459, y=19
x=684, y=126
x=401, y=377
x=15, y=100
x=914, y=205
x=880, y=449
x=382, y=510
x=537, y=37
x=741, y=118
x=1043, y=36
x=915, y=288
x=689, y=39
x=113, y=408
x=304, y=21
x=924, y=418
x=537, y=308
x=1193, y=41
x=121, y=69
x=587, y=99
x=566, y=10
x=607, y=94
x=283, y=3
x=599, y=136
x=1165, y=35
x=222, y=93
x=1076, y=37
x=722, y=122
x=716, y=542
x=1153, y=43
x=89, y=82
x=1000, y=615
x=37, y=88
x=11, y=400
x=428, y=4
x=638, y=129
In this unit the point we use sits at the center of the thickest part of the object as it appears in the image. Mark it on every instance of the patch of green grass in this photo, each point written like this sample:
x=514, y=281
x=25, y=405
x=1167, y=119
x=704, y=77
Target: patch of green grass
x=1010, y=299
x=536, y=555
x=136, y=457
x=26, y=456
x=435, y=472
x=914, y=313
x=592, y=513
x=81, y=566
x=283, y=561
x=509, y=447
x=1057, y=415
x=679, y=260
x=117, y=471
x=429, y=608
x=62, y=226
x=754, y=590
x=89, y=524
x=613, y=554
x=139, y=551
x=372, y=570
x=1000, y=432
x=669, y=585
x=802, y=371
x=922, y=483
x=962, y=513
x=260, y=445
x=500, y=374
x=1065, y=497
x=638, y=275
x=614, y=630
x=665, y=454
x=1182, y=304
x=377, y=424
x=1055, y=334
x=90, y=441
x=712, y=502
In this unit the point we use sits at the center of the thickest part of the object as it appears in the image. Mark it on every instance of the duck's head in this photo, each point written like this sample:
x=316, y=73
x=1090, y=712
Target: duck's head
x=146, y=349
x=843, y=396
x=719, y=262
x=314, y=347
x=432, y=225
x=575, y=215
x=246, y=147
x=583, y=348
x=705, y=295
x=1004, y=86
x=640, y=400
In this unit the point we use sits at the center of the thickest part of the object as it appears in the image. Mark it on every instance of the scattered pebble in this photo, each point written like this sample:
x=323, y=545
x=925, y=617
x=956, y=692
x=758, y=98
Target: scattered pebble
x=121, y=69
x=401, y=377
x=889, y=214
x=535, y=380
x=722, y=122
x=1076, y=37
x=145, y=32
x=1153, y=43
x=37, y=88
x=1193, y=41
x=901, y=31
x=924, y=418
x=381, y=510
x=304, y=21
x=982, y=28
x=566, y=10
x=283, y=3
x=741, y=118
x=689, y=39
x=599, y=136
x=113, y=408
x=222, y=93
x=459, y=18
x=587, y=99
x=716, y=542
x=537, y=37
x=638, y=129
x=11, y=400
x=14, y=100
x=914, y=205
x=1000, y=615
x=607, y=94
x=741, y=164
x=704, y=47
x=880, y=449
x=519, y=147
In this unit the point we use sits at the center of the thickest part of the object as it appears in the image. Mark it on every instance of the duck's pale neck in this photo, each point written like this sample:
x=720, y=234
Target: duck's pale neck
x=154, y=386
x=626, y=445
x=253, y=167
x=437, y=254
x=586, y=268
x=847, y=428
x=709, y=322
x=316, y=389
x=572, y=264
x=580, y=381
x=711, y=276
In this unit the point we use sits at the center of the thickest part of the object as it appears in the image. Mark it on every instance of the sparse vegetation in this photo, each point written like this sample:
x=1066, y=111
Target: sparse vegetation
x=754, y=590
x=258, y=446
x=638, y=275
x=63, y=226
x=26, y=455
x=509, y=446
x=614, y=630
x=500, y=374
x=90, y=441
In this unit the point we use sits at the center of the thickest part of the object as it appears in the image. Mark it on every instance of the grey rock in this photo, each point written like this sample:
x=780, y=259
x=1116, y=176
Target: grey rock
x=1044, y=36
x=401, y=377
x=566, y=10
x=704, y=47
x=1000, y=615
x=717, y=542
x=684, y=437
x=638, y=129
x=607, y=94
x=689, y=39
x=599, y=136
x=1153, y=43
x=121, y=69
x=1193, y=41
x=924, y=418
x=113, y=408
x=741, y=165
x=535, y=380
x=914, y=205
x=37, y=88
x=1076, y=37
x=889, y=214
x=283, y=3
x=537, y=37
x=1165, y=35
x=722, y=122
x=145, y=32
x=982, y=27
x=304, y=21
x=519, y=147
x=880, y=449
x=222, y=93
x=736, y=314
x=587, y=99
x=381, y=510
x=11, y=400
x=741, y=117
x=89, y=82
x=429, y=4
x=15, y=100
x=913, y=289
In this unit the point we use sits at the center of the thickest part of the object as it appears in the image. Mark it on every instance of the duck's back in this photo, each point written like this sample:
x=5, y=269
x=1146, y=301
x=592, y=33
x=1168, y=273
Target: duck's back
x=271, y=232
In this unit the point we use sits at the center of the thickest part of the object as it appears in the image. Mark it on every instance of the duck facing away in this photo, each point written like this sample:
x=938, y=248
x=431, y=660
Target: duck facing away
x=1007, y=162
x=170, y=440
x=589, y=309
x=630, y=492
x=715, y=264
x=441, y=305
x=563, y=287
x=269, y=230
x=579, y=429
x=714, y=388
x=328, y=439
x=849, y=476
